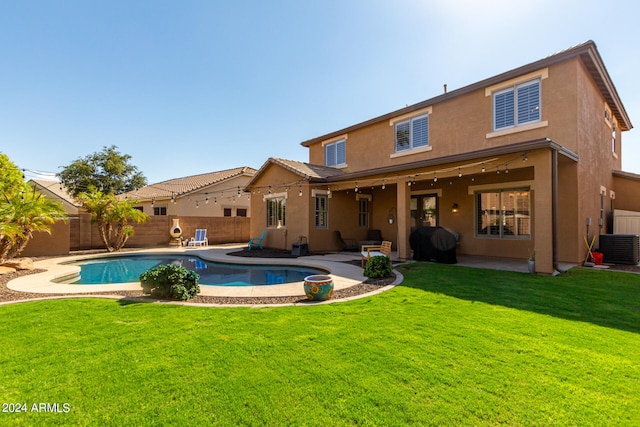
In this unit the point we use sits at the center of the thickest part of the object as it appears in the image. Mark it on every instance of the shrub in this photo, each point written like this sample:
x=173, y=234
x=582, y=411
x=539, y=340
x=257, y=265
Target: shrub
x=170, y=281
x=378, y=266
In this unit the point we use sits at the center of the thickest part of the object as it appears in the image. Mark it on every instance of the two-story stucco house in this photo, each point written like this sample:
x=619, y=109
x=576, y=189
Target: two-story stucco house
x=517, y=162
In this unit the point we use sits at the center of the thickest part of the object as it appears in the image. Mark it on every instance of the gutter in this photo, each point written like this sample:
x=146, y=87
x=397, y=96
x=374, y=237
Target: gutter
x=524, y=146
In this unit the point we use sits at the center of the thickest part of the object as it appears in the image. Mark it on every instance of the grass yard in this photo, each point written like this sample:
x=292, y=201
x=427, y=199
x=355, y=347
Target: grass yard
x=451, y=346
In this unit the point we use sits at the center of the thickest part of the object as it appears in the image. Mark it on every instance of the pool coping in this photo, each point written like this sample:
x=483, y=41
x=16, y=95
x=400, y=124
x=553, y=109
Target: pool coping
x=344, y=275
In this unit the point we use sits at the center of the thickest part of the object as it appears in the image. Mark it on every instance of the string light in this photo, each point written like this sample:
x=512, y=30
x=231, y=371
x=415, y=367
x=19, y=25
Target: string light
x=383, y=186
x=206, y=198
x=459, y=173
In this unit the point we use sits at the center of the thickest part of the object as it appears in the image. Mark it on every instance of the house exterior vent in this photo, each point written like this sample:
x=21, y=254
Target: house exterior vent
x=620, y=248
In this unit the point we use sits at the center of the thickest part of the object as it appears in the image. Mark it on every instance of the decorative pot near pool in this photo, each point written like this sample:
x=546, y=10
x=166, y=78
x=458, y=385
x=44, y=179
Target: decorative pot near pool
x=318, y=287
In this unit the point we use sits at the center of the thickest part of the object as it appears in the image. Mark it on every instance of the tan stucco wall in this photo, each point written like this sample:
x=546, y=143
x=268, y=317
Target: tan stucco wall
x=221, y=196
x=281, y=181
x=627, y=193
x=461, y=124
x=594, y=171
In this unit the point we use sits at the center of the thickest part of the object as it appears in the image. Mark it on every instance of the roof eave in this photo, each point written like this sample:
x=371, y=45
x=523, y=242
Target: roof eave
x=463, y=157
x=584, y=50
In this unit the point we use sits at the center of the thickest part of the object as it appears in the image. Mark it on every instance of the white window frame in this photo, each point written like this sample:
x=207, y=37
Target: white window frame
x=411, y=136
x=516, y=104
x=276, y=210
x=335, y=148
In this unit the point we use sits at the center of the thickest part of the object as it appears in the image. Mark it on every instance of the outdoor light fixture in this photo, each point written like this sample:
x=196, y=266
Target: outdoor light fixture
x=454, y=208
x=391, y=216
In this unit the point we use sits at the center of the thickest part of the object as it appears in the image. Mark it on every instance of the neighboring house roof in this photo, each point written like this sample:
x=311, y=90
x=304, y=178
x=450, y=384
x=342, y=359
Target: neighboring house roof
x=587, y=52
x=55, y=190
x=179, y=187
x=307, y=171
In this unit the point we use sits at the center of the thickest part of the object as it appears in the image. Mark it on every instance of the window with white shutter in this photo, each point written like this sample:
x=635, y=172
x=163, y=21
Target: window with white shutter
x=412, y=133
x=335, y=154
x=517, y=105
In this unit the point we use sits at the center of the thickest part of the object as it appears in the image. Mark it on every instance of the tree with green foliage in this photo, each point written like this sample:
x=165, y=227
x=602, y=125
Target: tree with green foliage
x=23, y=211
x=112, y=215
x=108, y=171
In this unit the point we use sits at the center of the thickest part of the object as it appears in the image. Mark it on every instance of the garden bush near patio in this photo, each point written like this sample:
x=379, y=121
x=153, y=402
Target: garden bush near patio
x=452, y=346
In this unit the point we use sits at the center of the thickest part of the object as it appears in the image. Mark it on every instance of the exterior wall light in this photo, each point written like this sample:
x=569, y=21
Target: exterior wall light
x=391, y=218
x=454, y=208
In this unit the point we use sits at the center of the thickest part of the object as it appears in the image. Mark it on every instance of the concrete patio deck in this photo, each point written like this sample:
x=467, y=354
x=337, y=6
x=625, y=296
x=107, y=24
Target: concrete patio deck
x=344, y=274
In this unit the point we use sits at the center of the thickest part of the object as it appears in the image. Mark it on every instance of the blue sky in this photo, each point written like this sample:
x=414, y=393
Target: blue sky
x=188, y=87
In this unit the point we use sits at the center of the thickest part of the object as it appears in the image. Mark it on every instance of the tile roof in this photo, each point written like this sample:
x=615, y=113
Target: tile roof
x=56, y=189
x=180, y=186
x=307, y=171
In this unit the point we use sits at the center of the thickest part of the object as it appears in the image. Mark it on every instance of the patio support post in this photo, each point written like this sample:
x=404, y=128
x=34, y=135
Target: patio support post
x=402, y=203
x=543, y=213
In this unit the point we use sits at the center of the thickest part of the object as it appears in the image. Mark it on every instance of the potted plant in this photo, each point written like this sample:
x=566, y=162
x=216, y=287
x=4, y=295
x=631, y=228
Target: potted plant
x=532, y=261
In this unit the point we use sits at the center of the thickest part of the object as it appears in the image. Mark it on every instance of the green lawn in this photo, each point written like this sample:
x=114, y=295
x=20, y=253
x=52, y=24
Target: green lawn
x=451, y=346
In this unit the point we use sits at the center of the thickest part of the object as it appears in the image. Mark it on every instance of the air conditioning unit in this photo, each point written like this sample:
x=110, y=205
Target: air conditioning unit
x=620, y=248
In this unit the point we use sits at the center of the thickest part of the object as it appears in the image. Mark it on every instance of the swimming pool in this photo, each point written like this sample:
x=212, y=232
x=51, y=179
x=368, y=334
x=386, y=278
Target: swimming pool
x=124, y=269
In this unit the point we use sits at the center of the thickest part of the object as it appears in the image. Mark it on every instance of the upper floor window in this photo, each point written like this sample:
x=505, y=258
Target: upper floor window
x=241, y=212
x=159, y=210
x=412, y=133
x=227, y=211
x=335, y=154
x=517, y=105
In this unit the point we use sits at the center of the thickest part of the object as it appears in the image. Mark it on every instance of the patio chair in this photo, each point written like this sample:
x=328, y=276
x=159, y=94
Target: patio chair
x=256, y=241
x=369, y=251
x=200, y=239
x=345, y=243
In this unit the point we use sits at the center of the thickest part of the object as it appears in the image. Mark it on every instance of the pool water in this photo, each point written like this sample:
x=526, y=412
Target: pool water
x=128, y=269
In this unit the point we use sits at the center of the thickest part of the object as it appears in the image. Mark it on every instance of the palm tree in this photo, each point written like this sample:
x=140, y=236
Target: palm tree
x=21, y=214
x=112, y=215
